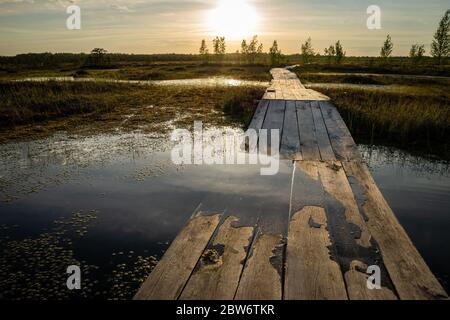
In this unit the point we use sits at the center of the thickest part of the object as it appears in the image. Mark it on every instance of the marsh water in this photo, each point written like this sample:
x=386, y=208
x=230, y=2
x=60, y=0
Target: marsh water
x=220, y=81
x=199, y=82
x=113, y=203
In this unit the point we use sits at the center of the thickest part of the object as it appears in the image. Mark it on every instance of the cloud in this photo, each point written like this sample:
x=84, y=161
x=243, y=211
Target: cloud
x=121, y=8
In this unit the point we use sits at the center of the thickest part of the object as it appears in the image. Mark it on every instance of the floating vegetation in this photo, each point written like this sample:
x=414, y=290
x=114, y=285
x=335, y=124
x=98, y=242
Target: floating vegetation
x=31, y=167
x=127, y=277
x=36, y=268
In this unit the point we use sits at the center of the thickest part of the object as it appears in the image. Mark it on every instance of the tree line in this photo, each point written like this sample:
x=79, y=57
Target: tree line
x=252, y=51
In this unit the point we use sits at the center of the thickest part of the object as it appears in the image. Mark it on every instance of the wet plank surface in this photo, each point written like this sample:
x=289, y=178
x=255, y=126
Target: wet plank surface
x=328, y=231
x=169, y=277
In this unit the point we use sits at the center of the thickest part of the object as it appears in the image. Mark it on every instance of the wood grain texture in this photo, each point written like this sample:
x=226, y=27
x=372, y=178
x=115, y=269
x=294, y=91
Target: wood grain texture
x=290, y=142
x=217, y=274
x=341, y=140
x=323, y=140
x=308, y=142
x=335, y=183
x=408, y=271
x=357, y=285
x=259, y=116
x=274, y=121
x=310, y=273
x=170, y=275
x=261, y=279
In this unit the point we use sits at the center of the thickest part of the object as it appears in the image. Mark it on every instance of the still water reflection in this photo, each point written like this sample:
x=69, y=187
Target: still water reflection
x=139, y=201
x=418, y=191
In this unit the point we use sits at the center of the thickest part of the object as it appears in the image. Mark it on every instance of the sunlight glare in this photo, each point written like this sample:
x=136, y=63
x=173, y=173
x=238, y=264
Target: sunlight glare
x=233, y=19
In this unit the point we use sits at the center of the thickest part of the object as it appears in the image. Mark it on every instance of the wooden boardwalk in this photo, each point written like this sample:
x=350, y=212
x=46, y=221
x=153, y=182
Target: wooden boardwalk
x=338, y=224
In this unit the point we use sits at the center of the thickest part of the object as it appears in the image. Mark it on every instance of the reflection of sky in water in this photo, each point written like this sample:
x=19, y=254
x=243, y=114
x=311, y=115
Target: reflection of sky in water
x=418, y=191
x=199, y=82
x=143, y=200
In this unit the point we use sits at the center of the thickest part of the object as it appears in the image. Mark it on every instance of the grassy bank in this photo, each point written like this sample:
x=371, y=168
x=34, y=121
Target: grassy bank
x=395, y=65
x=420, y=83
x=404, y=117
x=146, y=71
x=28, y=109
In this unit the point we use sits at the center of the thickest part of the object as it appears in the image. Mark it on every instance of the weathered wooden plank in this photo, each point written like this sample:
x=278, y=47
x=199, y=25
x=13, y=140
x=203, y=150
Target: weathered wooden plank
x=314, y=95
x=356, y=281
x=310, y=272
x=256, y=124
x=352, y=239
x=308, y=143
x=261, y=278
x=323, y=141
x=341, y=140
x=217, y=273
x=269, y=95
x=171, y=274
x=259, y=116
x=274, y=120
x=275, y=115
x=408, y=271
x=335, y=183
x=290, y=141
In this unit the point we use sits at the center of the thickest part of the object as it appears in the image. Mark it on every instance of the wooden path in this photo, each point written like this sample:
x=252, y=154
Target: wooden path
x=338, y=224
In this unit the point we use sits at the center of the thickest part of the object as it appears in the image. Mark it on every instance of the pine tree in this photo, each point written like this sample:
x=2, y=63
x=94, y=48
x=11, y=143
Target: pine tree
x=440, y=48
x=340, y=53
x=417, y=52
x=330, y=52
x=388, y=47
x=307, y=51
x=204, y=52
x=244, y=50
x=275, y=54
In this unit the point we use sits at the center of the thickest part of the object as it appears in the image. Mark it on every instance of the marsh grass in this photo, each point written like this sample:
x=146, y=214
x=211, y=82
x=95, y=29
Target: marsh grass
x=377, y=79
x=406, y=117
x=395, y=65
x=152, y=71
x=240, y=105
x=31, y=109
x=31, y=102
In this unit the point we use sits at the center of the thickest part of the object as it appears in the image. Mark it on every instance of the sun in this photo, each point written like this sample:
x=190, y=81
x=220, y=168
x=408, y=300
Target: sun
x=233, y=19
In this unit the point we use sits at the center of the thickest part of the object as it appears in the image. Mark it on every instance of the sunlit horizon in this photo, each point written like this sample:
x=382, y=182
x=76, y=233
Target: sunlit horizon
x=155, y=27
x=233, y=19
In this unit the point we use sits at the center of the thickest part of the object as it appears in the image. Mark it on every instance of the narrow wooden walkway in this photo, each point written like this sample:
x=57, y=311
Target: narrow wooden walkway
x=338, y=224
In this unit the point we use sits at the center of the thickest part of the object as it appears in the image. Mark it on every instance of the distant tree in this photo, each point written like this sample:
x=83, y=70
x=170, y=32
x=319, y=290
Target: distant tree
x=440, y=48
x=253, y=49
x=307, y=51
x=330, y=52
x=260, y=51
x=417, y=52
x=388, y=47
x=98, y=57
x=244, y=50
x=204, y=52
x=340, y=53
x=219, y=48
x=275, y=54
x=223, y=46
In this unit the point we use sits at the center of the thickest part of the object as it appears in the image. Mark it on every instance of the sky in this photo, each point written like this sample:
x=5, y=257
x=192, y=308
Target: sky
x=170, y=26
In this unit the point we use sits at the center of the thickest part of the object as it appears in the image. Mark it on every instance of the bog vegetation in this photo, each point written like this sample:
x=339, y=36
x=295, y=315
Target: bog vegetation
x=418, y=110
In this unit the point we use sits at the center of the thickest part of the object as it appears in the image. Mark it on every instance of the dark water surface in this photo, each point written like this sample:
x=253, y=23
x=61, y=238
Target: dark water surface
x=113, y=203
x=418, y=191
